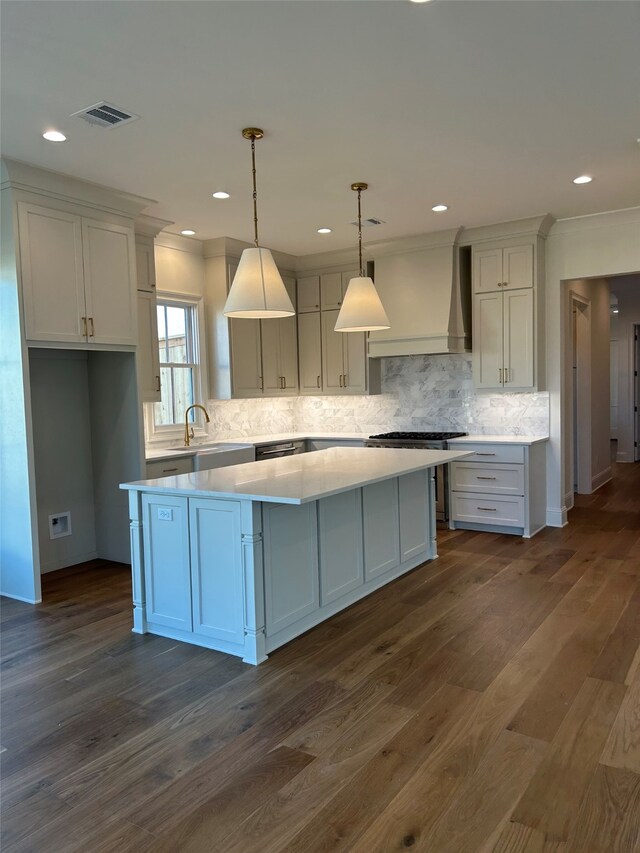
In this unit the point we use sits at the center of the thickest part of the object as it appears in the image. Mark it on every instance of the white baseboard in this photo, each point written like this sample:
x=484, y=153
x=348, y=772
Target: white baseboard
x=624, y=456
x=55, y=565
x=20, y=598
x=600, y=479
x=557, y=517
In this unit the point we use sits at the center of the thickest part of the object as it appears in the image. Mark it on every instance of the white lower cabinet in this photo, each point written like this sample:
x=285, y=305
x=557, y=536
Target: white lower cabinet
x=291, y=589
x=414, y=519
x=501, y=488
x=167, y=572
x=381, y=528
x=216, y=584
x=341, y=552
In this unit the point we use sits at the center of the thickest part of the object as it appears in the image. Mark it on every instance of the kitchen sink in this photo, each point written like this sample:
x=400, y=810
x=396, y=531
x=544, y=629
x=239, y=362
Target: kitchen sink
x=216, y=455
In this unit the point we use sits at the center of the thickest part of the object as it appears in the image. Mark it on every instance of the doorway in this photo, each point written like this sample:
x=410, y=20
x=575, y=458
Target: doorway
x=581, y=392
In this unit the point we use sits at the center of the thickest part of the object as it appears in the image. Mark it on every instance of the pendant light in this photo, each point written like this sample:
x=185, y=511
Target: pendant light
x=362, y=310
x=257, y=291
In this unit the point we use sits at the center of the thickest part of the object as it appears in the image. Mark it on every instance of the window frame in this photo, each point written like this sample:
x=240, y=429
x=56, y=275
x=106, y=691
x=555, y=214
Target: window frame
x=164, y=433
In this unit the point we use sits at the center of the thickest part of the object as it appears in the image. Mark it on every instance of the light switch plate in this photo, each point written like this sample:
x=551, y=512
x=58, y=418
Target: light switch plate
x=165, y=513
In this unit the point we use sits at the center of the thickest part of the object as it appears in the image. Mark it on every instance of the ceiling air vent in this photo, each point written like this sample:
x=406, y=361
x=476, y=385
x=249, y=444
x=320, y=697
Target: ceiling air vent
x=105, y=115
x=368, y=223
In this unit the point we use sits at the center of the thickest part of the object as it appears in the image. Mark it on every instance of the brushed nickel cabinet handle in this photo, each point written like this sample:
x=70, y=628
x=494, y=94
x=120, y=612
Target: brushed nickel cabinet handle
x=486, y=478
x=261, y=383
x=340, y=380
x=158, y=383
x=168, y=470
x=346, y=384
x=478, y=453
x=500, y=375
x=92, y=333
x=486, y=509
x=84, y=327
x=318, y=381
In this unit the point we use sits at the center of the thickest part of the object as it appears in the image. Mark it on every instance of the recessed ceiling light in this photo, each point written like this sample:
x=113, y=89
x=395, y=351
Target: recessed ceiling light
x=421, y=1
x=188, y=232
x=54, y=136
x=220, y=194
x=324, y=230
x=583, y=179
x=440, y=208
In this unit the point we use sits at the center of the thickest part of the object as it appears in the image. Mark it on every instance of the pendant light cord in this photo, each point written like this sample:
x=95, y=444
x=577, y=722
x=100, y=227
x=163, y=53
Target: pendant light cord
x=255, y=191
x=360, y=233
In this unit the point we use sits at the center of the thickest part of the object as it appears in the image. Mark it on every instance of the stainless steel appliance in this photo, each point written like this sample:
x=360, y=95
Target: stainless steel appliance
x=280, y=448
x=423, y=441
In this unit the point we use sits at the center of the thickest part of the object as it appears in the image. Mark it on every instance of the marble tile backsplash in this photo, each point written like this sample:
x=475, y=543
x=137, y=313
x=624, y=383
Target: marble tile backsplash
x=418, y=393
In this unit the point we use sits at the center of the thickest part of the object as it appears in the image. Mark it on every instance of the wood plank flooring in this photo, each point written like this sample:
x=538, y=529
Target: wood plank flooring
x=488, y=701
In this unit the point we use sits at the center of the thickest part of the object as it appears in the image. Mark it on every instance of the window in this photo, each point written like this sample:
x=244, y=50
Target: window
x=180, y=374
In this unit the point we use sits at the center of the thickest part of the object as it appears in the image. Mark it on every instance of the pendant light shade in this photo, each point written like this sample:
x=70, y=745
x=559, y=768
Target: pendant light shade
x=257, y=291
x=362, y=309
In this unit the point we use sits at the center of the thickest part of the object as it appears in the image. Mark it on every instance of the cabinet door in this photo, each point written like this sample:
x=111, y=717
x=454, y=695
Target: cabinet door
x=340, y=539
x=517, y=266
x=487, y=340
x=288, y=345
x=308, y=294
x=147, y=354
x=145, y=264
x=487, y=270
x=355, y=361
x=246, y=359
x=333, y=343
x=291, y=585
x=216, y=569
x=270, y=340
x=167, y=572
x=331, y=291
x=518, y=339
x=110, y=282
x=52, y=274
x=381, y=528
x=310, y=353
x=413, y=496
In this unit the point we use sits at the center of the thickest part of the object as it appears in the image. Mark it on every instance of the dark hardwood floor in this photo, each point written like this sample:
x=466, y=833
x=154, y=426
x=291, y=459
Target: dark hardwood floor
x=488, y=701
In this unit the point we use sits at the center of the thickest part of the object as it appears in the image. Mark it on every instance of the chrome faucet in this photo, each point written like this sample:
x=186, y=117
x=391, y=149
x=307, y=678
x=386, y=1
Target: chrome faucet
x=188, y=436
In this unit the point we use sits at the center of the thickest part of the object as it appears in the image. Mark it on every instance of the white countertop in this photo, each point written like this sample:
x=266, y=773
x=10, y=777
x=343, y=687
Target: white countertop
x=152, y=455
x=302, y=478
x=500, y=439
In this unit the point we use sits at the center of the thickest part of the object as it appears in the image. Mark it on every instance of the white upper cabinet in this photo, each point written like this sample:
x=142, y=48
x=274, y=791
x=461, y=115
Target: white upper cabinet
x=148, y=356
x=331, y=291
x=145, y=263
x=52, y=274
x=497, y=267
x=308, y=294
x=78, y=278
x=344, y=358
x=508, y=305
x=109, y=275
x=310, y=353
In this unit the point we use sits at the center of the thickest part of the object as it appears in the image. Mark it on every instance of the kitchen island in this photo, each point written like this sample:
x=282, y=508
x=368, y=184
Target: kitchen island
x=245, y=558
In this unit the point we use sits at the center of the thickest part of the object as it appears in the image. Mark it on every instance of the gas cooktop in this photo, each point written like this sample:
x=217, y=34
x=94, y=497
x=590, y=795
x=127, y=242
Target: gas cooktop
x=418, y=436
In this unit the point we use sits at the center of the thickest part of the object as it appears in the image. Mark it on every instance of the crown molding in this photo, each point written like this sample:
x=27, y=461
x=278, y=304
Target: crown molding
x=538, y=225
x=150, y=226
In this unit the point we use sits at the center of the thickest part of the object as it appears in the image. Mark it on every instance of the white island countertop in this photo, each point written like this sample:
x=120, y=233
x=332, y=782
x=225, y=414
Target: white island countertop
x=302, y=478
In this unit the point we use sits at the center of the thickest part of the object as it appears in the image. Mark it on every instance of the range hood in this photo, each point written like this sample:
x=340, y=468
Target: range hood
x=425, y=286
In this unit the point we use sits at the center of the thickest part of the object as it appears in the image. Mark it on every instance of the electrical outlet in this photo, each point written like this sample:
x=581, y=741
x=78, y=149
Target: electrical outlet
x=165, y=513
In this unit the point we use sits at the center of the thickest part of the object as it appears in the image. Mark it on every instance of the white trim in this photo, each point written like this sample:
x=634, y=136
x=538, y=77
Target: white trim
x=168, y=434
x=557, y=517
x=601, y=478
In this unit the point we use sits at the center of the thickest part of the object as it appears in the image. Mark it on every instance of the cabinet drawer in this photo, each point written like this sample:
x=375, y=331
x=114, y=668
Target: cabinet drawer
x=488, y=509
x=497, y=479
x=169, y=467
x=485, y=453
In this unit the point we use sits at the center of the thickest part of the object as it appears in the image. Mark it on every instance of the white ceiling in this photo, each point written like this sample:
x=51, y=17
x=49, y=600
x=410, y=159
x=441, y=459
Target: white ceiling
x=491, y=107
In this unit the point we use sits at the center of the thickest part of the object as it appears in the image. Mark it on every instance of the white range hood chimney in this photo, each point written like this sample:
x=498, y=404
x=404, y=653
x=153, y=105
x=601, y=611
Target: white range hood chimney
x=426, y=295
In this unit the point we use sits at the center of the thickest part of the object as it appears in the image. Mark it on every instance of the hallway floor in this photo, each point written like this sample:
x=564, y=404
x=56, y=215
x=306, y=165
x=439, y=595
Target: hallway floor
x=488, y=701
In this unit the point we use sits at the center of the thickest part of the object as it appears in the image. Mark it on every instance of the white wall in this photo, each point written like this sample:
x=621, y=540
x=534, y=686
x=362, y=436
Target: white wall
x=179, y=265
x=601, y=245
x=627, y=289
x=62, y=454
